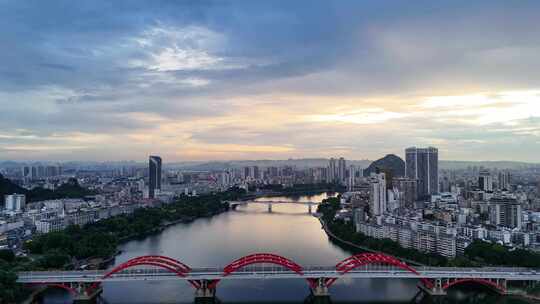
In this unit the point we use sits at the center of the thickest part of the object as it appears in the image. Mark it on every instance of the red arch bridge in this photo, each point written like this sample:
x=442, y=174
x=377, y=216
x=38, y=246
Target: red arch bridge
x=87, y=284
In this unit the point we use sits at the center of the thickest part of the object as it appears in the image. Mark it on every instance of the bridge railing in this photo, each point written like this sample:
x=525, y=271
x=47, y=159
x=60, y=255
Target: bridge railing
x=277, y=269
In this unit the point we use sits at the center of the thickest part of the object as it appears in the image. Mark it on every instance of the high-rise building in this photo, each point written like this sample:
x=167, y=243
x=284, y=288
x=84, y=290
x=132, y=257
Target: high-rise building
x=154, y=175
x=272, y=172
x=225, y=179
x=505, y=211
x=40, y=171
x=15, y=202
x=485, y=181
x=504, y=180
x=319, y=175
x=251, y=173
x=254, y=172
x=332, y=170
x=377, y=200
x=26, y=171
x=140, y=185
x=33, y=172
x=51, y=171
x=444, y=184
x=341, y=170
x=407, y=191
x=422, y=164
x=353, y=172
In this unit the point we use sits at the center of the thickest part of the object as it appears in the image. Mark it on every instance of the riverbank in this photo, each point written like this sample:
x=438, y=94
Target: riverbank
x=530, y=298
x=478, y=254
x=345, y=231
x=331, y=235
x=96, y=244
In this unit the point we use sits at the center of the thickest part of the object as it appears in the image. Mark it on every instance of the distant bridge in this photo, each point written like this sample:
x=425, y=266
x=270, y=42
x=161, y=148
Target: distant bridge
x=234, y=204
x=86, y=285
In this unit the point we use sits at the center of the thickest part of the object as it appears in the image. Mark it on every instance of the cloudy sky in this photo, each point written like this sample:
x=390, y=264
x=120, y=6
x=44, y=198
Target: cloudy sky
x=203, y=80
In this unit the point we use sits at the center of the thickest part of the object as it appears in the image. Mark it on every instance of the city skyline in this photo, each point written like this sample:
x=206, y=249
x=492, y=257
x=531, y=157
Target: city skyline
x=238, y=80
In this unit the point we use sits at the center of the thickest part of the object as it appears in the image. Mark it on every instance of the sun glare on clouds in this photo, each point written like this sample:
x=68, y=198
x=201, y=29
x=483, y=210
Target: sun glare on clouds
x=483, y=109
x=364, y=116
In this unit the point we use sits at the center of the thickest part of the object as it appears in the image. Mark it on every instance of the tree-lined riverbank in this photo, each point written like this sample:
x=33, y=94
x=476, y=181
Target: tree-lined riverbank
x=477, y=254
x=99, y=241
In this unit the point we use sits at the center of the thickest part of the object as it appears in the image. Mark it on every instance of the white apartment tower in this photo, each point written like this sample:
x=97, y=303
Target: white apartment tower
x=15, y=202
x=378, y=194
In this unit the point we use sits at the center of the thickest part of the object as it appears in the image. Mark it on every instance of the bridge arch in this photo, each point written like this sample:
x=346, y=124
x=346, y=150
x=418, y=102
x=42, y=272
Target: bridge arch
x=262, y=258
x=364, y=259
x=159, y=261
x=164, y=262
x=259, y=258
x=483, y=282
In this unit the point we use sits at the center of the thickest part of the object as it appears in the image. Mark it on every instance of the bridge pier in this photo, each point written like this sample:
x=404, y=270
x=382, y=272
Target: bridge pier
x=205, y=292
x=319, y=291
x=437, y=290
x=87, y=293
x=205, y=296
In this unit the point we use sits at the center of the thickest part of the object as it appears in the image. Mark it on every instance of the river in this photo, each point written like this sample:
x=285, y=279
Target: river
x=289, y=231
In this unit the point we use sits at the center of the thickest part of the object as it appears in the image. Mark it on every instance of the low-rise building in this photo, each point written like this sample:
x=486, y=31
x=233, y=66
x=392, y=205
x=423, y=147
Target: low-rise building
x=50, y=225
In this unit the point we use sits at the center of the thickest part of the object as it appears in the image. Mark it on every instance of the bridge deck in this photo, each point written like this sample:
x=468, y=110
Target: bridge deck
x=261, y=272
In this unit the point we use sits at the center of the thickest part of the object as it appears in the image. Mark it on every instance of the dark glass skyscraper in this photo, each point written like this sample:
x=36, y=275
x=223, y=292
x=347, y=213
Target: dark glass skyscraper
x=154, y=174
x=422, y=165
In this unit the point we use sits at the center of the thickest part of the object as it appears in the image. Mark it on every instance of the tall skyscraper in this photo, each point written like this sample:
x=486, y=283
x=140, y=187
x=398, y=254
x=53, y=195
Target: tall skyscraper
x=353, y=172
x=154, y=174
x=341, y=170
x=422, y=164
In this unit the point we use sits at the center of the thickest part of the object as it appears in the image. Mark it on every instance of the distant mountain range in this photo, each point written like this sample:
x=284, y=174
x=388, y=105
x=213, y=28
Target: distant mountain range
x=299, y=163
x=323, y=162
x=513, y=165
